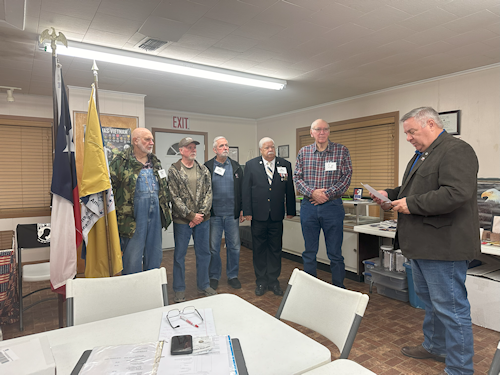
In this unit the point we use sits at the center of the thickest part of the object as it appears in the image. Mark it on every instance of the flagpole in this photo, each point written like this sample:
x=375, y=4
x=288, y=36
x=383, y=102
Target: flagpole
x=95, y=70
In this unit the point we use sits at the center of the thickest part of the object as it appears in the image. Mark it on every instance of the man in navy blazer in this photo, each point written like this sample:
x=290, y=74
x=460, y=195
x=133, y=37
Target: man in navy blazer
x=268, y=194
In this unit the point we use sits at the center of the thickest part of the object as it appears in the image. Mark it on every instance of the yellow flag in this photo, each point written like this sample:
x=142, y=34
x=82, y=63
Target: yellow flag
x=95, y=176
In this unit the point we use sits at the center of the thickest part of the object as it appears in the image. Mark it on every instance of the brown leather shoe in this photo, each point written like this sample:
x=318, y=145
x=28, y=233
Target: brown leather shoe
x=419, y=352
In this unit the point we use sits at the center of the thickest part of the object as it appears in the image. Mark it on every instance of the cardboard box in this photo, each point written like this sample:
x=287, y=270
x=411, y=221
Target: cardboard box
x=483, y=288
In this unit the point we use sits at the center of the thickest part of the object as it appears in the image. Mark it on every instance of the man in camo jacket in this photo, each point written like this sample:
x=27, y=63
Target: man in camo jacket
x=141, y=199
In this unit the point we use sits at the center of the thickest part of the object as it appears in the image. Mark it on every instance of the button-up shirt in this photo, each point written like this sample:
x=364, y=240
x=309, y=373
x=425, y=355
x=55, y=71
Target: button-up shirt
x=223, y=189
x=310, y=173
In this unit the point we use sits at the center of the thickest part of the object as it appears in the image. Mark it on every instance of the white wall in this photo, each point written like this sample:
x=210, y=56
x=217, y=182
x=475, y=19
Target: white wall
x=475, y=93
x=238, y=132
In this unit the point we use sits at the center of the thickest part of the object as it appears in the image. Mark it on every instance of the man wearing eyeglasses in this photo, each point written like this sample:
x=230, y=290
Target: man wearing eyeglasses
x=323, y=174
x=267, y=191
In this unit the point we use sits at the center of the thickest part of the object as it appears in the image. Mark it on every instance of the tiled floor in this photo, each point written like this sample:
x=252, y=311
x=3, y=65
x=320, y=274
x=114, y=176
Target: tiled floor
x=387, y=326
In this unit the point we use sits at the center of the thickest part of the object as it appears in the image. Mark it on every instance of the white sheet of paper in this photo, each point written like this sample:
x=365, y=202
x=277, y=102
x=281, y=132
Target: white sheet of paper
x=376, y=193
x=207, y=328
x=217, y=362
x=121, y=359
x=162, y=173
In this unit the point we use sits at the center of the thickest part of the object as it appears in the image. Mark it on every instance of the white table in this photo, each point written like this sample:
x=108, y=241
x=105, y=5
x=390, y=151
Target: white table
x=269, y=345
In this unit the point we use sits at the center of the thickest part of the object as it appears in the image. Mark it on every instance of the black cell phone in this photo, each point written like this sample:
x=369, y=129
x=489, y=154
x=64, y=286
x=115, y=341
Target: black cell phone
x=181, y=345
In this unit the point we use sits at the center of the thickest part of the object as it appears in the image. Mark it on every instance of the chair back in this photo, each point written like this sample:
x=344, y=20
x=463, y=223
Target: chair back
x=495, y=363
x=329, y=310
x=91, y=299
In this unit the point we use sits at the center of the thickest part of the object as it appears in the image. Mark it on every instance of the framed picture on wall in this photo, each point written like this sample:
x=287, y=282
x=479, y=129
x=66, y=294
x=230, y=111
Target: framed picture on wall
x=283, y=151
x=451, y=121
x=234, y=153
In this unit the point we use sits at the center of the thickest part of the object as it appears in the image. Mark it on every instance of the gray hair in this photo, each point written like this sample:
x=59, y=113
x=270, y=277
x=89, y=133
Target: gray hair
x=264, y=140
x=421, y=114
x=216, y=139
x=316, y=122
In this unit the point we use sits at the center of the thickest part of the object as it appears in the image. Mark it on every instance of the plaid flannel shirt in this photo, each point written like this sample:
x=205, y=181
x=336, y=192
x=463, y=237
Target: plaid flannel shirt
x=310, y=171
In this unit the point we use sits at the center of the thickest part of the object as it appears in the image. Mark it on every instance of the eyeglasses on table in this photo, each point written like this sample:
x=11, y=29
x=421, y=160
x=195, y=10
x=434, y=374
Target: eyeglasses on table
x=187, y=313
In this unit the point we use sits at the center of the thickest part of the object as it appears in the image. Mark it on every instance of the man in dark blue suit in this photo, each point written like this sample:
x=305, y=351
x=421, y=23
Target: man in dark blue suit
x=267, y=190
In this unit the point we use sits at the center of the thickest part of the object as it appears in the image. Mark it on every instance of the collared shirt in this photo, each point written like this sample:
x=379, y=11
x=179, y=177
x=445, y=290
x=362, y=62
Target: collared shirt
x=223, y=189
x=148, y=164
x=311, y=174
x=271, y=163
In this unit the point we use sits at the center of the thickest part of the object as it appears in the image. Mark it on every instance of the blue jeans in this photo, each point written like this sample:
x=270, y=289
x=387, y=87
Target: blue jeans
x=143, y=251
x=328, y=216
x=447, y=327
x=231, y=228
x=182, y=235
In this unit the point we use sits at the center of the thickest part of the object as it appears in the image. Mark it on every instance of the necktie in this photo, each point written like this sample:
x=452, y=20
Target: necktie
x=269, y=172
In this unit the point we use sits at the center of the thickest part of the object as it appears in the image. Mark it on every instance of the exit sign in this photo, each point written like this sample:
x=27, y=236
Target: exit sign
x=180, y=123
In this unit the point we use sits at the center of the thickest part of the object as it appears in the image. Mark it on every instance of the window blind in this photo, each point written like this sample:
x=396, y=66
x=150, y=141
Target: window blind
x=26, y=168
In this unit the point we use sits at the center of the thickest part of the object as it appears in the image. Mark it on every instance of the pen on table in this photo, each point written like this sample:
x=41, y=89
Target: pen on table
x=189, y=322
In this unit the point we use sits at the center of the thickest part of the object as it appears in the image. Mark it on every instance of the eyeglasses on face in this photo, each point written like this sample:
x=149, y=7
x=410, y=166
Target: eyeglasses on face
x=188, y=312
x=321, y=130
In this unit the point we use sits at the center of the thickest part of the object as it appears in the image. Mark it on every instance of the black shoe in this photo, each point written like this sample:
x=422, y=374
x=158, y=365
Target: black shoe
x=260, y=290
x=214, y=283
x=234, y=283
x=276, y=289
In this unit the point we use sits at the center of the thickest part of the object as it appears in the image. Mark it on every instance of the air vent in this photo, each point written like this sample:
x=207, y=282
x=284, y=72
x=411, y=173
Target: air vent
x=151, y=44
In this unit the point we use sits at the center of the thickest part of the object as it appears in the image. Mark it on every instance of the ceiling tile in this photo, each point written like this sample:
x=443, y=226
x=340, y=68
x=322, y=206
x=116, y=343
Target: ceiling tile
x=199, y=43
x=431, y=18
x=300, y=32
x=360, y=5
x=283, y=14
x=257, y=30
x=163, y=29
x=492, y=42
x=430, y=35
x=211, y=28
x=33, y=8
x=112, y=24
x=463, y=8
x=234, y=12
x=334, y=15
x=215, y=53
x=260, y=3
x=177, y=52
x=470, y=37
x=381, y=17
x=236, y=43
x=466, y=23
x=104, y=38
x=238, y=64
x=73, y=8
x=129, y=9
x=63, y=23
x=181, y=11
x=258, y=55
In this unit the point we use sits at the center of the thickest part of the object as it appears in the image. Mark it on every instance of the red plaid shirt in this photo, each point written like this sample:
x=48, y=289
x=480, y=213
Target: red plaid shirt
x=310, y=171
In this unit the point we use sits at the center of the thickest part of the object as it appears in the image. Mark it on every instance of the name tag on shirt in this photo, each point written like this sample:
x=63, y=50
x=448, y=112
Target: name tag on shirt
x=220, y=171
x=162, y=173
x=330, y=166
x=282, y=171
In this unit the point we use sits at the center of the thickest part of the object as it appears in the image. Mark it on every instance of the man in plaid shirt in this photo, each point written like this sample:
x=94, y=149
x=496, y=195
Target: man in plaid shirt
x=322, y=174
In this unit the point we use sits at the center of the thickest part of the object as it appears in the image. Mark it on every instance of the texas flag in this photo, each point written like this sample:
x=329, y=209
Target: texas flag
x=66, y=223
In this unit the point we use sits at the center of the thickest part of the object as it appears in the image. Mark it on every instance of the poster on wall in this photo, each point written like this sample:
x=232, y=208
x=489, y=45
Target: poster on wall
x=115, y=140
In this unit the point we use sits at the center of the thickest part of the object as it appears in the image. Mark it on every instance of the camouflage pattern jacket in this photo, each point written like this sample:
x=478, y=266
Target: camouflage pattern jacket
x=124, y=170
x=184, y=205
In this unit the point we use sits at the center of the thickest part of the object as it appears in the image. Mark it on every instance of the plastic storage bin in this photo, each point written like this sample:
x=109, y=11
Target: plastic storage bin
x=371, y=263
x=400, y=295
x=390, y=279
x=368, y=277
x=414, y=300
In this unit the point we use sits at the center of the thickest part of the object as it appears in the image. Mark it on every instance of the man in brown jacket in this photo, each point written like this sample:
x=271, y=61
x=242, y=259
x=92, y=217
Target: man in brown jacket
x=438, y=230
x=191, y=191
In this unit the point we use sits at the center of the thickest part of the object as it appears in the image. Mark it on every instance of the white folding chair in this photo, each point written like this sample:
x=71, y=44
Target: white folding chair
x=34, y=236
x=88, y=300
x=340, y=367
x=332, y=311
x=495, y=363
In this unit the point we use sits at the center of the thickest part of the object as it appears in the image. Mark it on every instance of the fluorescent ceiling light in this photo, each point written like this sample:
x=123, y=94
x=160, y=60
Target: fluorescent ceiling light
x=122, y=57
